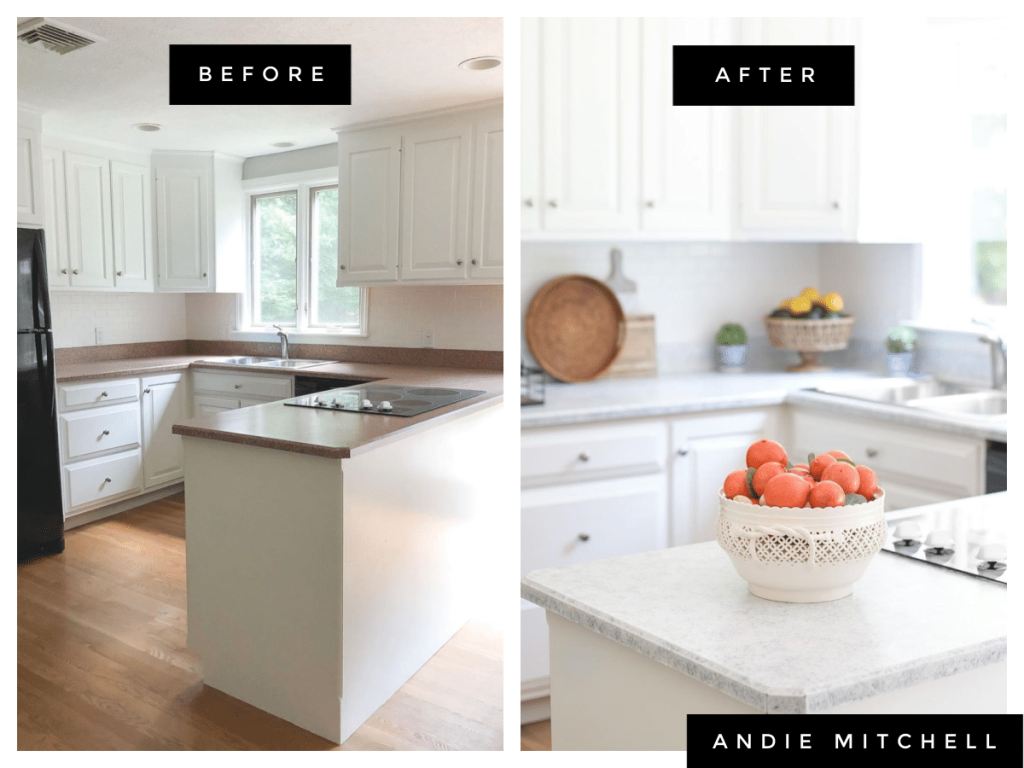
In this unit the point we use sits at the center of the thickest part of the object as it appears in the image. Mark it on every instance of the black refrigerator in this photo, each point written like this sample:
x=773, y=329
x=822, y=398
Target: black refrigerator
x=40, y=510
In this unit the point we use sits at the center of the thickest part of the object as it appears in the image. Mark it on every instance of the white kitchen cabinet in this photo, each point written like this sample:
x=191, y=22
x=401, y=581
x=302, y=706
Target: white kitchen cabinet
x=163, y=404
x=704, y=450
x=204, y=405
x=797, y=176
x=914, y=466
x=30, y=198
x=369, y=180
x=486, y=248
x=436, y=190
x=529, y=159
x=55, y=218
x=132, y=217
x=687, y=162
x=214, y=391
x=90, y=231
x=200, y=222
x=420, y=201
x=590, y=112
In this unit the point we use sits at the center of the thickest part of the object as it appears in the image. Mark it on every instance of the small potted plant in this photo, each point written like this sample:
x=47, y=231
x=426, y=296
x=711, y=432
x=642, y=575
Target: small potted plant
x=732, y=348
x=901, y=343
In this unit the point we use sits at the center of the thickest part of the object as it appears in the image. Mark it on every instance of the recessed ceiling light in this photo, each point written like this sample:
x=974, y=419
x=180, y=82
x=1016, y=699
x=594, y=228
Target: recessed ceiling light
x=481, y=62
x=148, y=127
x=283, y=144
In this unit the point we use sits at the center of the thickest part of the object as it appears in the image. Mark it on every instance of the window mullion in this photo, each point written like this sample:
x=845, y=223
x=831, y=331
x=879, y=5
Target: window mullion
x=302, y=257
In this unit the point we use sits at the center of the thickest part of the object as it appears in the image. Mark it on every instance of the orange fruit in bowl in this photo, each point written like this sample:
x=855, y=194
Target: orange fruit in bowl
x=838, y=455
x=801, y=466
x=786, y=490
x=821, y=461
x=735, y=484
x=764, y=473
x=764, y=451
x=868, y=482
x=827, y=494
x=843, y=474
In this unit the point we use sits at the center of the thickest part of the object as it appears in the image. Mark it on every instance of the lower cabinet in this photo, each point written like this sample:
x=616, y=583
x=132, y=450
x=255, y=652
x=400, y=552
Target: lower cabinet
x=163, y=404
x=214, y=391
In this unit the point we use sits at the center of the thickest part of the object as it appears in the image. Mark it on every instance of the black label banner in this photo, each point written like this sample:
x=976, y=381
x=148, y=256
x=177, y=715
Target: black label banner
x=762, y=75
x=236, y=75
x=724, y=741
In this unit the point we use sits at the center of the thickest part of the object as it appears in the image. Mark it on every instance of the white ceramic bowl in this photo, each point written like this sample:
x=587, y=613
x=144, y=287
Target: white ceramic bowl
x=801, y=555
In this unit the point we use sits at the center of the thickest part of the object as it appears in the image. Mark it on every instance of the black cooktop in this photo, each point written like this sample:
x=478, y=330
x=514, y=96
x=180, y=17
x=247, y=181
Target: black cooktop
x=384, y=400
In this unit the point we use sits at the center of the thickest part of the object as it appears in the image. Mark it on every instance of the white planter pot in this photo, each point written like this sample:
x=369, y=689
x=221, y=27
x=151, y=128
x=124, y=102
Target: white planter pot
x=732, y=357
x=900, y=363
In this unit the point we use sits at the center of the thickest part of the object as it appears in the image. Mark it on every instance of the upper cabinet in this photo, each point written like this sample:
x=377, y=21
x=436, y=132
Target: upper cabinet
x=200, y=229
x=606, y=155
x=91, y=250
x=30, y=162
x=420, y=202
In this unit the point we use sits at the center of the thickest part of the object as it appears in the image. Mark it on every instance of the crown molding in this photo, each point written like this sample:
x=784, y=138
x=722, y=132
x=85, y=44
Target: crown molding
x=442, y=112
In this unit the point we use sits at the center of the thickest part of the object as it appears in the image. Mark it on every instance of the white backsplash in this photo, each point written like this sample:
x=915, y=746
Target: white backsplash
x=125, y=318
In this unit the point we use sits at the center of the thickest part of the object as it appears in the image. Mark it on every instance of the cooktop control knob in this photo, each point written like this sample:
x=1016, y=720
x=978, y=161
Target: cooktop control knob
x=335, y=403
x=940, y=541
x=992, y=554
x=366, y=404
x=907, y=532
x=385, y=405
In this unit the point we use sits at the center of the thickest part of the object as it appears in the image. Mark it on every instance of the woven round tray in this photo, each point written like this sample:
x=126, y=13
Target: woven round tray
x=809, y=337
x=575, y=328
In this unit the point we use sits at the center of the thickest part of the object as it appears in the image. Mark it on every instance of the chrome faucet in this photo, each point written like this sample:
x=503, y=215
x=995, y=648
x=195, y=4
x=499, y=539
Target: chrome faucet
x=997, y=348
x=284, y=341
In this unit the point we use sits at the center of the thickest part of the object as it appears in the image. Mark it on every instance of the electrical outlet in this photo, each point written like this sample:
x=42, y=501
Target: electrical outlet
x=101, y=335
x=428, y=338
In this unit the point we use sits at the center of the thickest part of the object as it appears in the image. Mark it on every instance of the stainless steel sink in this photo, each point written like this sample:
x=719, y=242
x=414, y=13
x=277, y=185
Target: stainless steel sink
x=900, y=391
x=990, y=403
x=269, y=362
x=242, y=360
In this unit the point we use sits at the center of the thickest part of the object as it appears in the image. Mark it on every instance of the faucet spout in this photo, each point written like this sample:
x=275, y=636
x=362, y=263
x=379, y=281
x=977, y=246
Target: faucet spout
x=997, y=350
x=284, y=341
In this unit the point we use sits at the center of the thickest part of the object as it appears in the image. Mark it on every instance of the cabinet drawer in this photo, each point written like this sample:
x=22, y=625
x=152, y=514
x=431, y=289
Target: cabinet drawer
x=593, y=521
x=923, y=457
x=587, y=453
x=243, y=384
x=103, y=478
x=99, y=429
x=93, y=393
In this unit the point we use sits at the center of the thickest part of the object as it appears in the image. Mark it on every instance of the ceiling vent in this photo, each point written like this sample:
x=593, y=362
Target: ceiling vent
x=55, y=36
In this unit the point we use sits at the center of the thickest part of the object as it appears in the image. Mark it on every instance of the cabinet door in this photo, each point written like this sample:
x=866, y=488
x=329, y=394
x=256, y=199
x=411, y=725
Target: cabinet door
x=705, y=450
x=590, y=105
x=436, y=188
x=132, y=224
x=369, y=178
x=163, y=404
x=487, y=249
x=183, y=229
x=55, y=218
x=29, y=193
x=529, y=161
x=796, y=161
x=90, y=247
x=204, y=405
x=686, y=150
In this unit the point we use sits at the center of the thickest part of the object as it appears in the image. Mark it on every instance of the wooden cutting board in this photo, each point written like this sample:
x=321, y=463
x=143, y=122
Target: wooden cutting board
x=639, y=356
x=575, y=328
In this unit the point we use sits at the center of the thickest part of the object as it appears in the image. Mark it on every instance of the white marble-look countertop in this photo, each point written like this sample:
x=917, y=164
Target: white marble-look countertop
x=666, y=395
x=905, y=623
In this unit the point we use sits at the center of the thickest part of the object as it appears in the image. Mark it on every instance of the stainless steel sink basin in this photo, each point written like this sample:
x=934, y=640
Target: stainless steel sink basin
x=270, y=362
x=900, y=391
x=988, y=403
x=242, y=360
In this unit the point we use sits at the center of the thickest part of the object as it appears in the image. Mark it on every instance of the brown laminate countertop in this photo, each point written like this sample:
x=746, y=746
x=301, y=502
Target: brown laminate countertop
x=327, y=434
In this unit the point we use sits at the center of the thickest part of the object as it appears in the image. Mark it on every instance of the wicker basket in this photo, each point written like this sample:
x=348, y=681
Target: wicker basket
x=809, y=337
x=801, y=555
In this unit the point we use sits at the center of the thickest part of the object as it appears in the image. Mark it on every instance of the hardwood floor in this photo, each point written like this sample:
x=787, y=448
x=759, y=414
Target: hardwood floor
x=102, y=662
x=535, y=737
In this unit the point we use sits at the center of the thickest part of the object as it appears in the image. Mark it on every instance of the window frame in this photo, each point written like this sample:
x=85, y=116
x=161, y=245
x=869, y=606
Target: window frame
x=305, y=185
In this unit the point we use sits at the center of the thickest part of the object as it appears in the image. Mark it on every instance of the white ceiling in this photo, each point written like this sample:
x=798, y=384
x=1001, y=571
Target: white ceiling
x=399, y=66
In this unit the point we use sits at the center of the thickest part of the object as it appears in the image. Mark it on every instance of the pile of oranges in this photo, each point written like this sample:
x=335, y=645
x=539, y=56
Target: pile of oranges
x=830, y=479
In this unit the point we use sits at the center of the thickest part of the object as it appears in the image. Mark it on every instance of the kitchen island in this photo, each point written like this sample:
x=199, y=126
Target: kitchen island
x=638, y=642
x=330, y=554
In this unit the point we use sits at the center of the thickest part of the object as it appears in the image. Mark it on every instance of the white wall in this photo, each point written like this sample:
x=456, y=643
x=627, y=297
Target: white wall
x=126, y=318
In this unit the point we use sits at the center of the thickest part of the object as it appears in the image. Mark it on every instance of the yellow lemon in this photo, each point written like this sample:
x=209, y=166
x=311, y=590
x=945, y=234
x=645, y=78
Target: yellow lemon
x=810, y=293
x=833, y=302
x=801, y=305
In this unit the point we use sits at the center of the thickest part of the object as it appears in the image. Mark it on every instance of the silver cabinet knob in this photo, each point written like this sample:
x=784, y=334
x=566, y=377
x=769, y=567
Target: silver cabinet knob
x=552, y=203
x=63, y=271
x=584, y=537
x=103, y=394
x=871, y=452
x=238, y=386
x=341, y=266
x=74, y=271
x=473, y=262
x=147, y=390
x=584, y=456
x=459, y=262
x=204, y=274
x=835, y=204
x=528, y=202
x=120, y=273
x=650, y=203
x=107, y=480
x=106, y=431
x=682, y=452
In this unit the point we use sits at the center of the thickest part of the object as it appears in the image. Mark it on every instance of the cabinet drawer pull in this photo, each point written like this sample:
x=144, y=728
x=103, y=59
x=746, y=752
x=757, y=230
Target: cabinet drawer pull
x=63, y=271
x=107, y=480
x=341, y=266
x=238, y=386
x=552, y=203
x=147, y=390
x=528, y=202
x=650, y=203
x=871, y=452
x=473, y=262
x=120, y=273
x=106, y=431
x=584, y=537
x=103, y=394
x=459, y=262
x=74, y=271
x=682, y=452
x=584, y=456
x=204, y=274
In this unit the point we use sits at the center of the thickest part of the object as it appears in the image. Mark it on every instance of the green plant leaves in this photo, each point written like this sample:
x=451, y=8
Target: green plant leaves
x=750, y=482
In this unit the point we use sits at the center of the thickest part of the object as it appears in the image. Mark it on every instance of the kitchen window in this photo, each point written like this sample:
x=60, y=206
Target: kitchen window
x=293, y=248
